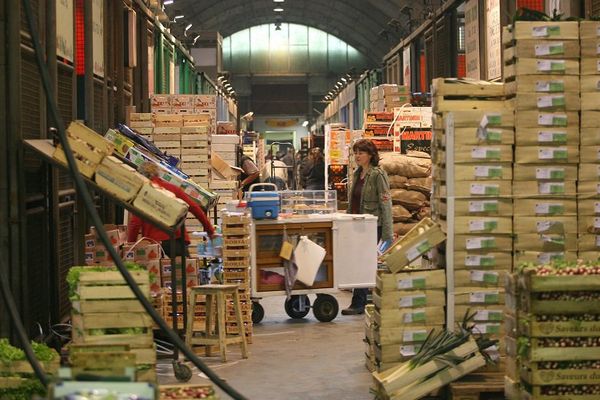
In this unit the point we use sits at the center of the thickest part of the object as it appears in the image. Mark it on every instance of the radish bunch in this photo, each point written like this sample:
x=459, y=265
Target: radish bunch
x=569, y=365
x=570, y=342
x=567, y=318
x=187, y=392
x=563, y=390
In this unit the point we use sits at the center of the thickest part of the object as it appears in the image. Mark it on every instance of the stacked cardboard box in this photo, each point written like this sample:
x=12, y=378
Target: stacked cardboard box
x=554, y=333
x=185, y=104
x=236, y=230
x=542, y=73
x=408, y=305
x=472, y=197
x=387, y=97
x=223, y=176
x=95, y=252
x=589, y=168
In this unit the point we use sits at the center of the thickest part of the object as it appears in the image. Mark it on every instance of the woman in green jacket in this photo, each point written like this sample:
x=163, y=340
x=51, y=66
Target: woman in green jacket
x=369, y=194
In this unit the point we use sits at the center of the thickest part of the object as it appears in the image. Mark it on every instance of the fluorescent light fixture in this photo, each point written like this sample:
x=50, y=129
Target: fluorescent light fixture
x=220, y=78
x=188, y=26
x=344, y=79
x=168, y=2
x=178, y=17
x=278, y=1
x=305, y=123
x=278, y=9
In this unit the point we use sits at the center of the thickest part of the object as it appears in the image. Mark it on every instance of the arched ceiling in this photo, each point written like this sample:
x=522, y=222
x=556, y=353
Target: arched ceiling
x=371, y=26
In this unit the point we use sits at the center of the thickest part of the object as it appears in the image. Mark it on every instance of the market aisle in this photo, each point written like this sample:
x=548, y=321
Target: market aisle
x=298, y=359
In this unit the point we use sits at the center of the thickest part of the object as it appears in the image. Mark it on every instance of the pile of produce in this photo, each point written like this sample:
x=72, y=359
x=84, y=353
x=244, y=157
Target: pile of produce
x=187, y=392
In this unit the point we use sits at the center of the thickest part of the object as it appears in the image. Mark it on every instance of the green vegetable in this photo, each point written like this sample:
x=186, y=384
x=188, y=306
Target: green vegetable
x=25, y=391
x=10, y=353
x=74, y=272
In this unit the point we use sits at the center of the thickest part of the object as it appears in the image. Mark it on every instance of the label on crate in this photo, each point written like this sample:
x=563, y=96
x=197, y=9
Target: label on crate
x=481, y=243
x=486, y=190
x=544, y=226
x=552, y=137
x=485, y=153
x=552, y=119
x=482, y=225
x=597, y=207
x=545, y=31
x=549, y=49
x=418, y=335
x=491, y=119
x=551, y=101
x=550, y=86
x=484, y=297
x=489, y=277
x=550, y=173
x=551, y=188
x=483, y=206
x=480, y=261
x=488, y=315
x=412, y=283
x=414, y=316
x=490, y=329
x=489, y=135
x=549, y=208
x=559, y=153
x=545, y=258
x=418, y=249
x=555, y=240
x=413, y=301
x=488, y=171
x=551, y=65
x=408, y=350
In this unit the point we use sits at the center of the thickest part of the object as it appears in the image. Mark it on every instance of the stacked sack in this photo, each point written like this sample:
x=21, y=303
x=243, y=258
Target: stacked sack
x=410, y=183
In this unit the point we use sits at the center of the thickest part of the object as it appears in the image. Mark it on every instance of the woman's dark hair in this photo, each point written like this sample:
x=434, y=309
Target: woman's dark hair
x=368, y=147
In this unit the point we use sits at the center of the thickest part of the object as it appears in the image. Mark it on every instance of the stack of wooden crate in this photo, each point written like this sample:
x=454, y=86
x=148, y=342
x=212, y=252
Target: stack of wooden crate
x=542, y=73
x=142, y=123
x=369, y=339
x=167, y=133
x=554, y=329
x=472, y=198
x=589, y=169
x=408, y=305
x=195, y=148
x=225, y=148
x=106, y=312
x=236, y=229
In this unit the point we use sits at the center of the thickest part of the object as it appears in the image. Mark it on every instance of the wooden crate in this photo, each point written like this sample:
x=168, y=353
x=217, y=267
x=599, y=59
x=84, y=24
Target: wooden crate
x=177, y=392
x=475, y=386
x=89, y=148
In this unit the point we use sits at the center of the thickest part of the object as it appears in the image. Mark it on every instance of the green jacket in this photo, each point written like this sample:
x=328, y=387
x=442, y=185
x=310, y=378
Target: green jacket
x=375, y=199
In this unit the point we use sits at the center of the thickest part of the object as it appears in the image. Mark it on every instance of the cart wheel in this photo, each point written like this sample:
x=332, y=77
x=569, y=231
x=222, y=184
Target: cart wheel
x=292, y=307
x=325, y=307
x=258, y=312
x=183, y=373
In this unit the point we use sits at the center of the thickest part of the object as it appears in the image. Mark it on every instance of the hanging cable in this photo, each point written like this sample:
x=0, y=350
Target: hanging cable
x=89, y=205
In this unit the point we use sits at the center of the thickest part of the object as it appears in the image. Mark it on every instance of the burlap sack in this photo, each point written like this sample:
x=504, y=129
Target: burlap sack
x=403, y=165
x=398, y=182
x=400, y=214
x=402, y=228
x=423, y=212
x=422, y=185
x=410, y=199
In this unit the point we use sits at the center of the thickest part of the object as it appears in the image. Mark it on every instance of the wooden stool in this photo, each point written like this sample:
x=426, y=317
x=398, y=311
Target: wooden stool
x=217, y=293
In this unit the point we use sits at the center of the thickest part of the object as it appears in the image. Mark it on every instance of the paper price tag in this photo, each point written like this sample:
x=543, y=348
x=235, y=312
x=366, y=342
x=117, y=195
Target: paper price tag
x=549, y=49
x=418, y=249
x=413, y=283
x=418, y=335
x=488, y=171
x=483, y=206
x=547, y=257
x=485, y=153
x=544, y=226
x=415, y=316
x=551, y=101
x=480, y=261
x=481, y=243
x=485, y=190
x=550, y=173
x=550, y=86
x=545, y=31
x=559, y=153
x=484, y=297
x=408, y=350
x=487, y=328
x=552, y=137
x=488, y=315
x=413, y=301
x=551, y=188
x=549, y=208
x=489, y=277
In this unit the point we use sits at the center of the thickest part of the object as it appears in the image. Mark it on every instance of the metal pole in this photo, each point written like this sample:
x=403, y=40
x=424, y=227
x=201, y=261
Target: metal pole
x=174, y=303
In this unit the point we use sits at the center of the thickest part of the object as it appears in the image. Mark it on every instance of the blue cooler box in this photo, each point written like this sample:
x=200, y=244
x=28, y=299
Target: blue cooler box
x=264, y=204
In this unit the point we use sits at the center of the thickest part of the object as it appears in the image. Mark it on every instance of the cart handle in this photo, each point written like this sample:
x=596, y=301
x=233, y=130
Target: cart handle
x=271, y=185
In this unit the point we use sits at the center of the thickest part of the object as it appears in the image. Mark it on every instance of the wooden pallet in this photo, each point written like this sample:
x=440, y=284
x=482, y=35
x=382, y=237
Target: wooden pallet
x=478, y=387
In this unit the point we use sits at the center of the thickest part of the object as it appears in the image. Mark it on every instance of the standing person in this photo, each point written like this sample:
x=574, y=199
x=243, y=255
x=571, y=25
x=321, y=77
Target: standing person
x=369, y=194
x=315, y=179
x=288, y=159
x=249, y=175
x=150, y=170
x=302, y=167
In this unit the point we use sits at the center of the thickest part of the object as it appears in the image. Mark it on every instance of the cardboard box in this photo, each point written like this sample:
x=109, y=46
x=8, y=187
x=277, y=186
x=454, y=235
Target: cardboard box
x=544, y=188
x=544, y=172
x=546, y=225
x=226, y=128
x=486, y=260
x=536, y=119
x=546, y=154
x=483, y=242
x=545, y=243
x=161, y=204
x=160, y=101
x=483, y=225
x=550, y=136
x=205, y=101
x=119, y=179
x=122, y=143
x=545, y=207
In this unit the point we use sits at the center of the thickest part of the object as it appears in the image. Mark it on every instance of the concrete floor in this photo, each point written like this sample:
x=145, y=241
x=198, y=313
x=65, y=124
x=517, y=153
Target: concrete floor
x=296, y=359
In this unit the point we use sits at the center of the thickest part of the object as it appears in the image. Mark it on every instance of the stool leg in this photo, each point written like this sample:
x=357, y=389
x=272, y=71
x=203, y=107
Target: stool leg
x=238, y=317
x=209, y=322
x=221, y=321
x=189, y=330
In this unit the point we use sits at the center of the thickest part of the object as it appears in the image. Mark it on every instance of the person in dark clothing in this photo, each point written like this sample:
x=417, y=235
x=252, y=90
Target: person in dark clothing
x=249, y=175
x=315, y=179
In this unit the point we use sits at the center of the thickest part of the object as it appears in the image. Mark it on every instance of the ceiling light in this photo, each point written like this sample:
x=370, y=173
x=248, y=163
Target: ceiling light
x=178, y=17
x=305, y=123
x=277, y=27
x=278, y=1
x=344, y=79
x=188, y=27
x=278, y=9
x=167, y=2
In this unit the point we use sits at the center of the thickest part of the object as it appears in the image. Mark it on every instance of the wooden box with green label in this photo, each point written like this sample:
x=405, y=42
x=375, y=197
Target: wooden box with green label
x=548, y=101
x=490, y=314
x=473, y=172
x=477, y=296
x=538, y=257
x=411, y=280
x=588, y=189
x=404, y=334
x=502, y=118
x=483, y=154
x=547, y=154
x=588, y=224
x=545, y=30
x=589, y=245
x=540, y=119
x=501, y=207
x=481, y=188
x=475, y=225
x=535, y=48
x=545, y=172
x=546, y=242
x=409, y=299
x=545, y=207
x=544, y=188
x=410, y=316
x=477, y=243
x=547, y=136
x=478, y=135
x=543, y=84
x=541, y=66
x=493, y=261
x=479, y=278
